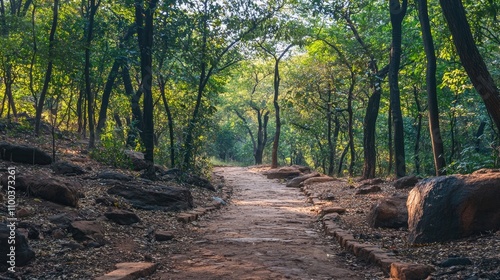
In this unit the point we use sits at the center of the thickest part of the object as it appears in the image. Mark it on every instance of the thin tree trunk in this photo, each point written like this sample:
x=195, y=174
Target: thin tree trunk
x=416, y=150
x=92, y=7
x=432, y=101
x=170, y=122
x=397, y=12
x=48, y=72
x=101, y=123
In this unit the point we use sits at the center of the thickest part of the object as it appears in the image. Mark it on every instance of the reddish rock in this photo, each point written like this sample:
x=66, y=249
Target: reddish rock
x=407, y=271
x=368, y=189
x=162, y=235
x=332, y=209
x=389, y=213
x=87, y=230
x=295, y=182
x=122, y=217
x=58, y=190
x=130, y=271
x=406, y=182
x=288, y=172
x=451, y=207
x=317, y=180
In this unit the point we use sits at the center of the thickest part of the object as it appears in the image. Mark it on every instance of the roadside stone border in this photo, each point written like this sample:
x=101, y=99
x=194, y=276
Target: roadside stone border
x=386, y=260
x=194, y=214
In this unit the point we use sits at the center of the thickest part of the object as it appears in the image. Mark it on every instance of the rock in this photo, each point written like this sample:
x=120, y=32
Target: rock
x=66, y=168
x=137, y=160
x=31, y=230
x=451, y=207
x=368, y=189
x=130, y=271
x=317, y=180
x=163, y=236
x=154, y=197
x=58, y=233
x=405, y=182
x=87, y=231
x=389, y=213
x=295, y=182
x=369, y=182
x=331, y=209
x=327, y=196
x=455, y=261
x=407, y=271
x=24, y=154
x=53, y=189
x=332, y=217
x=218, y=200
x=288, y=172
x=122, y=217
x=23, y=213
x=64, y=219
x=23, y=252
x=1, y=197
x=110, y=175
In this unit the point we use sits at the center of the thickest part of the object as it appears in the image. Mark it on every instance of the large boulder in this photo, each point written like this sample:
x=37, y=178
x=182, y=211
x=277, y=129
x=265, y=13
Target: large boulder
x=390, y=212
x=154, y=197
x=58, y=190
x=451, y=207
x=296, y=182
x=23, y=252
x=24, y=154
x=122, y=217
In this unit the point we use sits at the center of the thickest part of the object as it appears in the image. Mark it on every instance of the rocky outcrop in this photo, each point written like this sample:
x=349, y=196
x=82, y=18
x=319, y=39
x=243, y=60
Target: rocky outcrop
x=389, y=212
x=87, y=231
x=58, y=190
x=153, y=197
x=450, y=207
x=368, y=189
x=24, y=154
x=296, y=182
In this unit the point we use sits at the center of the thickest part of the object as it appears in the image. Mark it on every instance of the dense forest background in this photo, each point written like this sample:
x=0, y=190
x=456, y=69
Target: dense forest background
x=345, y=87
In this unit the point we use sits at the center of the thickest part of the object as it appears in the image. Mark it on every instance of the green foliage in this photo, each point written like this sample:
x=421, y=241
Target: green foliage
x=110, y=150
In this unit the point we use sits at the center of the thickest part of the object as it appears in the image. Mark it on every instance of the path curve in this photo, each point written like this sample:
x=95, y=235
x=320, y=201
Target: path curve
x=267, y=232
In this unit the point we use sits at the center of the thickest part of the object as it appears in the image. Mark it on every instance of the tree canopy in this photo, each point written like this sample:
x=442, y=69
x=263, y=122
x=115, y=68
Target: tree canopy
x=364, y=88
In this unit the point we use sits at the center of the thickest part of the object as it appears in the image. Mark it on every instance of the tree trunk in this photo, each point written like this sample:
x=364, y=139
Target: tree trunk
x=48, y=72
x=170, y=122
x=277, y=79
x=479, y=133
x=144, y=20
x=136, y=124
x=470, y=57
x=432, y=101
x=397, y=12
x=108, y=87
x=416, y=150
x=92, y=10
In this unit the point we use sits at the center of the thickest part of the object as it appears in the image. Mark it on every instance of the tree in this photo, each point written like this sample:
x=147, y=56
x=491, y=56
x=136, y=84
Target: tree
x=432, y=100
x=397, y=11
x=91, y=7
x=48, y=73
x=144, y=16
x=277, y=55
x=470, y=57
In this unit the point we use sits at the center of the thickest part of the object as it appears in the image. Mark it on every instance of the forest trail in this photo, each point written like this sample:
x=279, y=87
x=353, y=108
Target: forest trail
x=267, y=232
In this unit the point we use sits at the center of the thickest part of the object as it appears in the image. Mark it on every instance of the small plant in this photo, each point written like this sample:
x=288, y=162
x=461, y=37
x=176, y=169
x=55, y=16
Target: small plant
x=110, y=149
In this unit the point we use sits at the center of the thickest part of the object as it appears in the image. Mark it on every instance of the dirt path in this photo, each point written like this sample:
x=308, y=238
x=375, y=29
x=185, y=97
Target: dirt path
x=267, y=232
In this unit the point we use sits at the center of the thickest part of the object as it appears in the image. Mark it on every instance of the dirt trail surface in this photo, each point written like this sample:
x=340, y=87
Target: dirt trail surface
x=267, y=232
